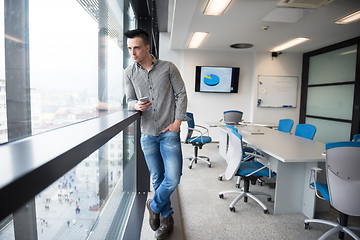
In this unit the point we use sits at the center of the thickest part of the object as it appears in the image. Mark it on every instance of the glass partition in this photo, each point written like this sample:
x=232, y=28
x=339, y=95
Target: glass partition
x=331, y=93
x=331, y=101
x=332, y=67
x=330, y=131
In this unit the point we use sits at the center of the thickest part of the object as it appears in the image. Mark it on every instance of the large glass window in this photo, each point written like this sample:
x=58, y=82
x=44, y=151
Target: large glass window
x=3, y=119
x=71, y=70
x=70, y=66
x=73, y=66
x=92, y=200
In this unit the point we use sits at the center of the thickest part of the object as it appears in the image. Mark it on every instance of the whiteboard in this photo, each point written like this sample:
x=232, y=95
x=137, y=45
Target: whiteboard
x=277, y=91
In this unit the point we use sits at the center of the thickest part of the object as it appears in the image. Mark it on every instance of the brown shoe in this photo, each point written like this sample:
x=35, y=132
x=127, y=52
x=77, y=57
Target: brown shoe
x=154, y=218
x=166, y=226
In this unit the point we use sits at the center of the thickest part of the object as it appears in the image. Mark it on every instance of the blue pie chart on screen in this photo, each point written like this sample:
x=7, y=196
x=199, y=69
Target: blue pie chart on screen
x=211, y=80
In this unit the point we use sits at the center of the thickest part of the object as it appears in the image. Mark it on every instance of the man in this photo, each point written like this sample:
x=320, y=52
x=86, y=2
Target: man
x=162, y=112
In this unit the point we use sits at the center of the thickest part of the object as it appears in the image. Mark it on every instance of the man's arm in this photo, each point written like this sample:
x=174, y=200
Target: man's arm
x=130, y=93
x=131, y=98
x=180, y=93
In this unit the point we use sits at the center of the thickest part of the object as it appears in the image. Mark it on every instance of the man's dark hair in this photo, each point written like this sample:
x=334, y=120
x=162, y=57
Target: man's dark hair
x=141, y=33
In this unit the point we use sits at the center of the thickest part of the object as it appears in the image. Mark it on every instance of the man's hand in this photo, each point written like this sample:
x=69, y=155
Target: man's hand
x=142, y=106
x=174, y=127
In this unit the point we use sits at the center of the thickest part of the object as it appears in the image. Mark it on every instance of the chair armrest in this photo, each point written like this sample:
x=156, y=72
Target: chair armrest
x=202, y=127
x=313, y=176
x=256, y=155
x=268, y=165
x=198, y=131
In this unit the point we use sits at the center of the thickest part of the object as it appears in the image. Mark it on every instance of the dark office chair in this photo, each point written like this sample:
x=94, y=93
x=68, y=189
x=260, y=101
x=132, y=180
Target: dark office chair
x=305, y=130
x=233, y=117
x=285, y=125
x=197, y=140
x=356, y=137
x=343, y=186
x=250, y=171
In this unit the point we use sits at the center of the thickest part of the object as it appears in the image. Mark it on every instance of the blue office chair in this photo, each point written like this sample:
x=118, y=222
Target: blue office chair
x=233, y=117
x=250, y=171
x=285, y=125
x=356, y=137
x=343, y=186
x=305, y=130
x=198, y=140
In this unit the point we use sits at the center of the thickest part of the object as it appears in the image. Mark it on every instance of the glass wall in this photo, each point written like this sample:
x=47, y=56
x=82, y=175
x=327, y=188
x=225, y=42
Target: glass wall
x=86, y=201
x=65, y=59
x=74, y=60
x=68, y=61
x=3, y=119
x=331, y=92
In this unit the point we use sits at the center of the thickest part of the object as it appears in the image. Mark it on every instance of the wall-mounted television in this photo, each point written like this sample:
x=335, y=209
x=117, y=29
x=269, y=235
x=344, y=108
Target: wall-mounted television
x=217, y=79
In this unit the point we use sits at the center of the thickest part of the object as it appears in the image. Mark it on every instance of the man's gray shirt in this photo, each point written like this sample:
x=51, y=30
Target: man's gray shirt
x=166, y=90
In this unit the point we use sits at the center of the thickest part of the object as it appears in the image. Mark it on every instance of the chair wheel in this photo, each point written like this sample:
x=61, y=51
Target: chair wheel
x=221, y=196
x=266, y=211
x=269, y=199
x=232, y=209
x=220, y=178
x=209, y=165
x=237, y=185
x=190, y=167
x=306, y=225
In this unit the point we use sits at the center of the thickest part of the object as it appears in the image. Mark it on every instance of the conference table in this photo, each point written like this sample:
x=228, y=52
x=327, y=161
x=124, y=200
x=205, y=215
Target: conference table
x=291, y=157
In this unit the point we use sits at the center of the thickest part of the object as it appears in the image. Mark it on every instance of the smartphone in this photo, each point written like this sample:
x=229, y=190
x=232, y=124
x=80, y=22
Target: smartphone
x=144, y=99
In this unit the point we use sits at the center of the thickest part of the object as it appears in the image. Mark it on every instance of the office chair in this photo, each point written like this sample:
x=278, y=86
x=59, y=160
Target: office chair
x=356, y=137
x=305, y=130
x=200, y=139
x=285, y=125
x=343, y=186
x=245, y=157
x=250, y=171
x=233, y=117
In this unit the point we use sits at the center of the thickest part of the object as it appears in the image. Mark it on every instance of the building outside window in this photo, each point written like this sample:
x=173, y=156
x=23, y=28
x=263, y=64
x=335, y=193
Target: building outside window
x=74, y=73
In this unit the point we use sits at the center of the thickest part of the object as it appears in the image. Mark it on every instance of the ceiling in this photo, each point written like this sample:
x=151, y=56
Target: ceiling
x=243, y=22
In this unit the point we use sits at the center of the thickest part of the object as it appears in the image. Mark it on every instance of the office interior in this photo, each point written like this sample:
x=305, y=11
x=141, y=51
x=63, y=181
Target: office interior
x=70, y=148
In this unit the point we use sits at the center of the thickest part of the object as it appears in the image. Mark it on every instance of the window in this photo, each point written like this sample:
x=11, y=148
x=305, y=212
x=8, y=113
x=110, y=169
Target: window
x=72, y=71
x=3, y=119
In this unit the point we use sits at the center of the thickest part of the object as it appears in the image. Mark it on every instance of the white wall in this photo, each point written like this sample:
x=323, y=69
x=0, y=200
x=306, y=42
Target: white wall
x=209, y=107
x=283, y=65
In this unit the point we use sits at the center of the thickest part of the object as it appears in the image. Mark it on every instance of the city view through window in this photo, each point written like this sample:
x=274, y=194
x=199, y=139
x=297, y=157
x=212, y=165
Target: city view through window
x=64, y=89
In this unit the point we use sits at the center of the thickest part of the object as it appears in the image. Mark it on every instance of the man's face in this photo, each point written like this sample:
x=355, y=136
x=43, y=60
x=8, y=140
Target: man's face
x=137, y=49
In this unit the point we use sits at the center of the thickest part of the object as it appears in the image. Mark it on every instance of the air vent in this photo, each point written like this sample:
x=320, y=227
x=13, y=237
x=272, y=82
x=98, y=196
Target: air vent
x=304, y=3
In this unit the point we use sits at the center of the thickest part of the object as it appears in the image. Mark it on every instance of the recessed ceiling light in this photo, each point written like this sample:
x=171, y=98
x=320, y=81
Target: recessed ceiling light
x=349, y=18
x=289, y=44
x=216, y=7
x=197, y=39
x=241, y=45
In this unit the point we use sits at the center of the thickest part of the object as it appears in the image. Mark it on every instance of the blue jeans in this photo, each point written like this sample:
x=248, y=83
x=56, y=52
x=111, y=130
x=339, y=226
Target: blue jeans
x=163, y=156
